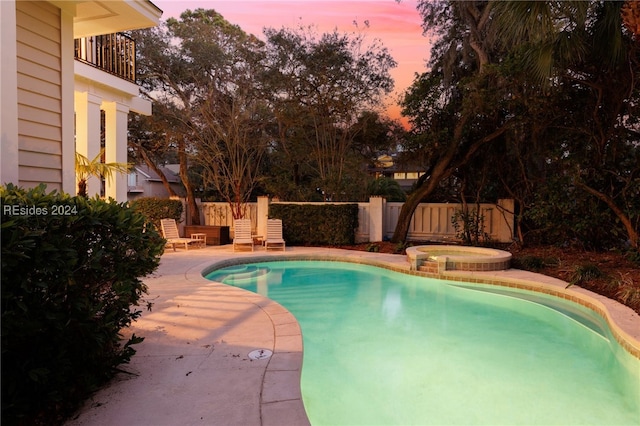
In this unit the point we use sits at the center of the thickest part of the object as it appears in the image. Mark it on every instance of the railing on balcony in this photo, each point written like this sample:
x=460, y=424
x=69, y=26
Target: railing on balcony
x=113, y=53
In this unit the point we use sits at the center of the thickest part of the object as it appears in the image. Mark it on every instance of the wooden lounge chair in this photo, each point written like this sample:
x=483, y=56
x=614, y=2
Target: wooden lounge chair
x=170, y=233
x=242, y=234
x=274, y=235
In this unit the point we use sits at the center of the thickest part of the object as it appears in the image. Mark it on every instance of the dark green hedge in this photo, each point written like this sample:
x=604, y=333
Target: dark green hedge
x=158, y=208
x=70, y=277
x=326, y=224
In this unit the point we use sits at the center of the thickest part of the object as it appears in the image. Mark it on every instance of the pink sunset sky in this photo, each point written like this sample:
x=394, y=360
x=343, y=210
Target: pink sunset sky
x=397, y=25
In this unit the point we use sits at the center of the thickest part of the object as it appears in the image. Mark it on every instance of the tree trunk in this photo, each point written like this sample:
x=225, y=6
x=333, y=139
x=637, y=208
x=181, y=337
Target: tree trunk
x=476, y=17
x=82, y=188
x=192, y=207
x=439, y=172
x=632, y=232
x=410, y=205
x=442, y=170
x=156, y=169
x=238, y=206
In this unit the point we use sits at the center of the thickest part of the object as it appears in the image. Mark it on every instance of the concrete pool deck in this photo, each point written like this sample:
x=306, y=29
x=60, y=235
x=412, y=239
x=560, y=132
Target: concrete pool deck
x=194, y=367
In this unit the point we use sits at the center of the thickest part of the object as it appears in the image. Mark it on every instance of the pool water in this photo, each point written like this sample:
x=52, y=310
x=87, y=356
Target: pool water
x=385, y=348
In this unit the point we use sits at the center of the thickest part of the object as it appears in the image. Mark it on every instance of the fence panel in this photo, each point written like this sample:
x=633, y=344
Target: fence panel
x=431, y=221
x=219, y=214
x=363, y=231
x=391, y=214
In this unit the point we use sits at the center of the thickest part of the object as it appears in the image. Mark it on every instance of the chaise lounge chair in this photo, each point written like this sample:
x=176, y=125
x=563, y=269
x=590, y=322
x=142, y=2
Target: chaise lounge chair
x=242, y=234
x=170, y=233
x=274, y=235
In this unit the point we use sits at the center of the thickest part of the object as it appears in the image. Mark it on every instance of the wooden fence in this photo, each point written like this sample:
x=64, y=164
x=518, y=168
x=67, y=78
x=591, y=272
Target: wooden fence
x=378, y=218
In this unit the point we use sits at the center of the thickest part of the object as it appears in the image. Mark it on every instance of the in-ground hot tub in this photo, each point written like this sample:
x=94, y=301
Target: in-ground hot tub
x=439, y=258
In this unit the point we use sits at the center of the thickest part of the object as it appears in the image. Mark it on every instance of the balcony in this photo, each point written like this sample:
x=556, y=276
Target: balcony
x=112, y=53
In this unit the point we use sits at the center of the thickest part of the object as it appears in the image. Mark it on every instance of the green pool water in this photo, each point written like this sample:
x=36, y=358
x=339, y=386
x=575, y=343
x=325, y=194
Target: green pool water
x=385, y=348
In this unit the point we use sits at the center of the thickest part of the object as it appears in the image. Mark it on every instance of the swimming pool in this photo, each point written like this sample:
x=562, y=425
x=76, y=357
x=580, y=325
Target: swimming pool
x=387, y=348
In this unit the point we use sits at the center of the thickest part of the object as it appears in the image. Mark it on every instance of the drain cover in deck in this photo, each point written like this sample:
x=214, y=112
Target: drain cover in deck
x=260, y=354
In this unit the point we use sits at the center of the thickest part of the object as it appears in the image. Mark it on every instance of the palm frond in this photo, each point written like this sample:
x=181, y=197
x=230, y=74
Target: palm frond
x=607, y=36
x=86, y=168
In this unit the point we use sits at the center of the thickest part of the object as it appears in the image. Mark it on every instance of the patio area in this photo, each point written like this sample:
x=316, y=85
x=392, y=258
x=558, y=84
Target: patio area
x=194, y=366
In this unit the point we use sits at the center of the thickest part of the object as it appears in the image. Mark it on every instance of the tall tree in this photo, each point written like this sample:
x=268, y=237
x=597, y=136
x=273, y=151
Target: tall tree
x=320, y=84
x=555, y=79
x=165, y=78
x=233, y=144
x=229, y=112
x=205, y=73
x=582, y=51
x=447, y=102
x=606, y=140
x=149, y=143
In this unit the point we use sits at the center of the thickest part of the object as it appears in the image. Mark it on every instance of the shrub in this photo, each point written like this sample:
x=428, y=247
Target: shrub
x=630, y=296
x=469, y=227
x=387, y=188
x=373, y=248
x=633, y=255
x=532, y=263
x=401, y=247
x=70, y=276
x=557, y=216
x=158, y=208
x=584, y=273
x=325, y=224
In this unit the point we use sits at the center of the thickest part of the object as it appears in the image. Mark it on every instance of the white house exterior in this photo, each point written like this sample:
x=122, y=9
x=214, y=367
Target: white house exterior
x=52, y=103
x=144, y=182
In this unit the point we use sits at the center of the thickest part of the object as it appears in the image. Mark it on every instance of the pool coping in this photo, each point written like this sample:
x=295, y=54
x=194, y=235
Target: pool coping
x=278, y=399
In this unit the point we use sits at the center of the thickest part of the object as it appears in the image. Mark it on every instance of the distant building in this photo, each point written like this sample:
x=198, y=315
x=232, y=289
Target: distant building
x=406, y=179
x=144, y=182
x=405, y=175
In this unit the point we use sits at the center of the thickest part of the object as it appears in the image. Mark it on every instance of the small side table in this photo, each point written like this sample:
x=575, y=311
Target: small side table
x=201, y=239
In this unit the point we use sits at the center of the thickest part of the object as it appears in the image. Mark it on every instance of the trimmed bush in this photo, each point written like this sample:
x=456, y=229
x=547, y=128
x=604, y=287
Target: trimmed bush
x=70, y=277
x=156, y=209
x=326, y=224
x=387, y=188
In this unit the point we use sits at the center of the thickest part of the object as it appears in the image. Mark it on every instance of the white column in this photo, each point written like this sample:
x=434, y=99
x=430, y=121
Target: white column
x=9, y=170
x=376, y=218
x=262, y=216
x=67, y=99
x=116, y=147
x=87, y=108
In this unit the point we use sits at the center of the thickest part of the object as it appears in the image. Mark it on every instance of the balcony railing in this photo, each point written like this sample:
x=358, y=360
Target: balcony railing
x=113, y=53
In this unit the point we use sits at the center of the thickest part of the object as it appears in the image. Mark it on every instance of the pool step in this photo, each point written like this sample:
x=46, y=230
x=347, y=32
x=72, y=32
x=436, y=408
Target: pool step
x=241, y=274
x=429, y=266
